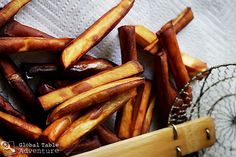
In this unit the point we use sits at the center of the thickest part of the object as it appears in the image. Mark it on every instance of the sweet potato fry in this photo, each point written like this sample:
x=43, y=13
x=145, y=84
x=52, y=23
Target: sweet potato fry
x=149, y=115
x=87, y=145
x=91, y=120
x=166, y=93
x=9, y=10
x=105, y=135
x=19, y=126
x=54, y=98
x=193, y=65
x=58, y=127
x=10, y=45
x=169, y=41
x=138, y=123
x=95, y=33
x=80, y=70
x=150, y=42
x=94, y=96
x=128, y=53
x=10, y=72
x=16, y=29
x=5, y=106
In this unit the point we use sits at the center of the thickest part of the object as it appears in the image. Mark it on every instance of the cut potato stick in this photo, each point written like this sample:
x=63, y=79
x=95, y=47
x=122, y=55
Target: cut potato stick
x=5, y=106
x=19, y=126
x=87, y=145
x=91, y=120
x=170, y=43
x=94, y=96
x=10, y=72
x=105, y=135
x=52, y=99
x=193, y=65
x=138, y=123
x=165, y=91
x=150, y=42
x=58, y=127
x=80, y=70
x=16, y=29
x=149, y=115
x=95, y=33
x=9, y=10
x=10, y=45
x=128, y=53
x=127, y=43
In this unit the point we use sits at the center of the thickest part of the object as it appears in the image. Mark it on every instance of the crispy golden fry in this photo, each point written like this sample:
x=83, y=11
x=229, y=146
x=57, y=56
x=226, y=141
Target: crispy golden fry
x=58, y=127
x=94, y=96
x=138, y=123
x=95, y=33
x=8, y=108
x=90, y=120
x=80, y=70
x=144, y=36
x=9, y=10
x=10, y=45
x=166, y=93
x=16, y=29
x=149, y=115
x=87, y=145
x=106, y=135
x=193, y=65
x=54, y=98
x=128, y=53
x=19, y=126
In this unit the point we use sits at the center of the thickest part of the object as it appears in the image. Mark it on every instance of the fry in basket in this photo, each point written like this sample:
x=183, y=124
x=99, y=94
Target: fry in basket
x=16, y=29
x=91, y=120
x=94, y=96
x=128, y=53
x=52, y=99
x=142, y=109
x=105, y=135
x=9, y=10
x=19, y=126
x=10, y=45
x=95, y=33
x=5, y=106
x=80, y=70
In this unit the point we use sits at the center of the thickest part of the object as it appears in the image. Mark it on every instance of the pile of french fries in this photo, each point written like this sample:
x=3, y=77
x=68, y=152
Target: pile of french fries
x=79, y=92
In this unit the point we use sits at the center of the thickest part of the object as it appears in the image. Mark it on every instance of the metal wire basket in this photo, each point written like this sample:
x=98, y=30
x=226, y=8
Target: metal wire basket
x=214, y=94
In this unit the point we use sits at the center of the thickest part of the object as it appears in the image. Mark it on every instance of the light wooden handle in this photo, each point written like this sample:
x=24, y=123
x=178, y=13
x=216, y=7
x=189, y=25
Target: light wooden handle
x=192, y=137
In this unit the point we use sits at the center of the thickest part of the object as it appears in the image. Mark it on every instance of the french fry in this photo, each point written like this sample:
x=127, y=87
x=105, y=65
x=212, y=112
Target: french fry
x=142, y=109
x=9, y=10
x=52, y=99
x=95, y=33
x=91, y=120
x=149, y=115
x=106, y=135
x=10, y=72
x=128, y=53
x=87, y=145
x=58, y=127
x=170, y=43
x=5, y=106
x=94, y=96
x=16, y=29
x=10, y=45
x=166, y=93
x=149, y=41
x=193, y=65
x=19, y=126
x=80, y=70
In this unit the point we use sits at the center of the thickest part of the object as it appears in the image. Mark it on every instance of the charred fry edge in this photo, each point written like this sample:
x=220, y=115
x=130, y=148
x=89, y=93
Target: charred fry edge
x=95, y=33
x=106, y=135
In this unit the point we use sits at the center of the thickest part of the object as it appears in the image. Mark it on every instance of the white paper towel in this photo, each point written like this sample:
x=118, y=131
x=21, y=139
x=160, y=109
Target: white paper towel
x=211, y=36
